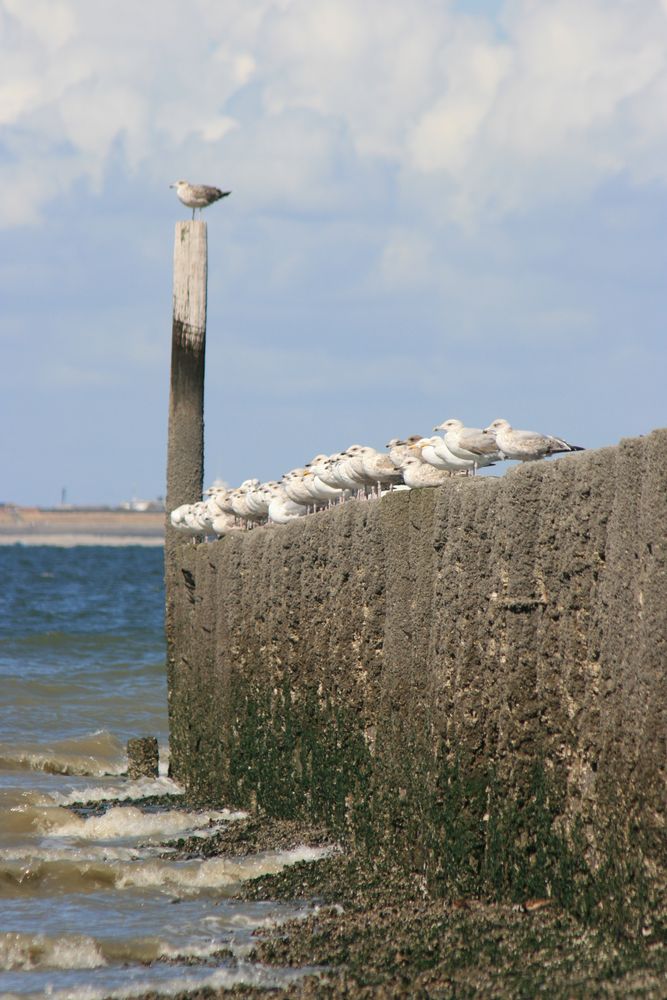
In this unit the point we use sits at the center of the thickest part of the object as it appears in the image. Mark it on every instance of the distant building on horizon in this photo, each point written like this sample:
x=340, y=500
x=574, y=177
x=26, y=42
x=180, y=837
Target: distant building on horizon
x=142, y=505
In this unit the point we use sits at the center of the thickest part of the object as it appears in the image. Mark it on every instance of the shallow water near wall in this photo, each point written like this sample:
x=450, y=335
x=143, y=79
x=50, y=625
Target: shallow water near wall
x=92, y=904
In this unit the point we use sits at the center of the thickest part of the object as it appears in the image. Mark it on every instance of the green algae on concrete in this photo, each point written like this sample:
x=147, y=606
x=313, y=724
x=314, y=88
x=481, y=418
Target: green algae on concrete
x=377, y=933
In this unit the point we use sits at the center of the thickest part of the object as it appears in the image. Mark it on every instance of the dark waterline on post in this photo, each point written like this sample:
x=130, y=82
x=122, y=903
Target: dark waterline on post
x=185, y=446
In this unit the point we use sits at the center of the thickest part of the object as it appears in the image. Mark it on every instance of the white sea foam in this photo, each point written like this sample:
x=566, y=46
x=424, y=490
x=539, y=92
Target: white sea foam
x=249, y=974
x=29, y=952
x=97, y=753
x=212, y=873
x=39, y=869
x=129, y=821
x=37, y=951
x=140, y=789
x=177, y=941
x=32, y=856
x=119, y=822
x=54, y=763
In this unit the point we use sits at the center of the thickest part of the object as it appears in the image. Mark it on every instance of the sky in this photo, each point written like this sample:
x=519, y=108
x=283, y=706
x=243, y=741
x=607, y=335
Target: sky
x=442, y=208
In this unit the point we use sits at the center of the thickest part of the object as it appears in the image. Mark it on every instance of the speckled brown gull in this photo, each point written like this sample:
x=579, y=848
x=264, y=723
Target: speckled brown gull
x=198, y=195
x=417, y=472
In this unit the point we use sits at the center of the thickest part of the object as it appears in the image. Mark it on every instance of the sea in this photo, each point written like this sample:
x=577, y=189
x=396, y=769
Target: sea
x=91, y=903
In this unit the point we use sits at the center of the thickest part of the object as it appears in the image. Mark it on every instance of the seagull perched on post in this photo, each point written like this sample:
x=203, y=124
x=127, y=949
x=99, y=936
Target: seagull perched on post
x=197, y=195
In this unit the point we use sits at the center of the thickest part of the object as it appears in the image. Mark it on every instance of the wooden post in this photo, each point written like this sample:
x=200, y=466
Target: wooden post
x=185, y=447
x=143, y=757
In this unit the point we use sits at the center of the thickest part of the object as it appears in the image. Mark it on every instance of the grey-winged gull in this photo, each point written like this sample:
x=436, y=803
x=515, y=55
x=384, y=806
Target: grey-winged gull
x=526, y=446
x=435, y=452
x=469, y=442
x=198, y=195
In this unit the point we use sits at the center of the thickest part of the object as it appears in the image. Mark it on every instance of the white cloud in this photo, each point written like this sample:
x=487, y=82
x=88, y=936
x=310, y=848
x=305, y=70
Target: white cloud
x=17, y=98
x=443, y=136
x=303, y=97
x=407, y=260
x=52, y=23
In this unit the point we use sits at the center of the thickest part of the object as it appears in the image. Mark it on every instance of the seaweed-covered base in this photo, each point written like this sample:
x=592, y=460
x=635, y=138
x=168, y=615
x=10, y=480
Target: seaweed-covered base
x=389, y=940
x=379, y=934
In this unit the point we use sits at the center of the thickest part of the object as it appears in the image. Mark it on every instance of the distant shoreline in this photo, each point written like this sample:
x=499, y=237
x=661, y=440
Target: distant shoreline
x=69, y=541
x=69, y=526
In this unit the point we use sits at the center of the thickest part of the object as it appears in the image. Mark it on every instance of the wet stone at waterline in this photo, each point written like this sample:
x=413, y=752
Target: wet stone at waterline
x=142, y=758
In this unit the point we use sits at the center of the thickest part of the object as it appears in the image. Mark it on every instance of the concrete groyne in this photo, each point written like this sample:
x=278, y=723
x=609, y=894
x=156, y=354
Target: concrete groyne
x=472, y=677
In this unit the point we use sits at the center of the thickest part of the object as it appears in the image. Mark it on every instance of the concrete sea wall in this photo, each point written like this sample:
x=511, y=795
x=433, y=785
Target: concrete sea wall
x=472, y=678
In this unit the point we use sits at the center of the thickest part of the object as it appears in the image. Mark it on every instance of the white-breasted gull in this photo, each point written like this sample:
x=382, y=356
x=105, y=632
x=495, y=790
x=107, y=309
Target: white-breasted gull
x=526, y=446
x=198, y=195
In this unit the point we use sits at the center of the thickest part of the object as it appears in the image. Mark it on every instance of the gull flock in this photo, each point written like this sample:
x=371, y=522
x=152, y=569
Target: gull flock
x=362, y=472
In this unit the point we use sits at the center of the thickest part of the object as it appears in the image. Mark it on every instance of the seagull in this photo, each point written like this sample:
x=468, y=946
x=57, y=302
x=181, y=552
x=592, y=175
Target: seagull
x=417, y=472
x=333, y=473
x=180, y=520
x=219, y=500
x=322, y=494
x=526, y=446
x=398, y=449
x=257, y=502
x=241, y=502
x=295, y=487
x=225, y=524
x=351, y=467
x=469, y=442
x=282, y=510
x=197, y=195
x=325, y=484
x=192, y=519
x=435, y=452
x=379, y=468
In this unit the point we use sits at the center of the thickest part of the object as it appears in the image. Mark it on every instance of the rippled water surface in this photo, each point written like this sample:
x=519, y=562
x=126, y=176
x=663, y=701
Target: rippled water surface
x=87, y=898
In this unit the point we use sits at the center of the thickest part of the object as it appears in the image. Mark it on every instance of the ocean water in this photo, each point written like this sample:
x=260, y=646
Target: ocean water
x=87, y=897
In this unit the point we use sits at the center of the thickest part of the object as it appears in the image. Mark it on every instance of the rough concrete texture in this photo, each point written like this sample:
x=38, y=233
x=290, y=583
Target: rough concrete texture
x=443, y=671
